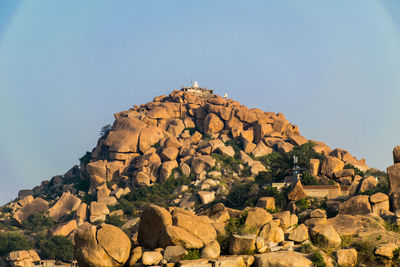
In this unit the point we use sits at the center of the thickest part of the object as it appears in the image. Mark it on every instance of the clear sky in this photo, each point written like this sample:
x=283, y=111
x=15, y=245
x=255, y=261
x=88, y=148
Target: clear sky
x=332, y=67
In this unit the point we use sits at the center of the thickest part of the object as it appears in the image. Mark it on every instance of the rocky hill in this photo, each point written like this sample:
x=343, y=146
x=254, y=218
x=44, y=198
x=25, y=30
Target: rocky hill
x=191, y=178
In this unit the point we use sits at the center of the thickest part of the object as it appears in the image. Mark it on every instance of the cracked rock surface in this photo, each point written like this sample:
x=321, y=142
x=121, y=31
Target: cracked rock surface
x=104, y=245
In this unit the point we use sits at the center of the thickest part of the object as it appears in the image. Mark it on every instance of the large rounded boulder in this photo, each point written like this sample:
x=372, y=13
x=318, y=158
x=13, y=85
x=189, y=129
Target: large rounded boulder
x=101, y=246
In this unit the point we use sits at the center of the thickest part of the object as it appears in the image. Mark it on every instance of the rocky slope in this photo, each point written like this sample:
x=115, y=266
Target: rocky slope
x=205, y=162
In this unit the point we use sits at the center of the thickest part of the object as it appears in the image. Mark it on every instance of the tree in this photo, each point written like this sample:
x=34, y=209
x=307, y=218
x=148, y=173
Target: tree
x=105, y=130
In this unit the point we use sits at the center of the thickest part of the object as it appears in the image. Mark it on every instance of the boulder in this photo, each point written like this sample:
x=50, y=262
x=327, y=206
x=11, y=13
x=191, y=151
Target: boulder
x=396, y=154
x=368, y=183
x=379, y=201
x=35, y=206
x=98, y=211
x=261, y=130
x=124, y=135
x=394, y=177
x=318, y=213
x=97, y=168
x=195, y=263
x=211, y=250
x=201, y=163
x=271, y=232
x=280, y=125
x=297, y=192
x=331, y=165
x=212, y=124
x=25, y=200
x=298, y=140
x=104, y=245
x=177, y=236
x=246, y=115
x=149, y=136
x=206, y=196
x=242, y=244
x=284, y=218
x=136, y=255
x=356, y=205
x=346, y=257
x=81, y=213
x=299, y=234
x=185, y=169
x=141, y=179
x=169, y=153
x=261, y=150
x=151, y=257
x=153, y=221
x=23, y=258
x=166, y=169
x=257, y=218
x=231, y=261
x=226, y=150
x=67, y=204
x=109, y=201
x=25, y=192
x=102, y=191
x=314, y=167
x=174, y=253
x=194, y=225
x=65, y=229
x=267, y=203
x=282, y=259
x=386, y=250
x=325, y=235
x=344, y=173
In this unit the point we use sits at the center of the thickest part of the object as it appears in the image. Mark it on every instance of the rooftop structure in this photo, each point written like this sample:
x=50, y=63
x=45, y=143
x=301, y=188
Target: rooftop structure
x=196, y=89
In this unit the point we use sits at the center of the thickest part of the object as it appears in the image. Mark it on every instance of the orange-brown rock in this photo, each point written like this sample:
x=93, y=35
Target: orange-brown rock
x=396, y=154
x=260, y=131
x=297, y=192
x=213, y=124
x=33, y=207
x=153, y=221
x=67, y=204
x=246, y=115
x=356, y=205
x=314, y=167
x=166, y=169
x=331, y=165
x=148, y=137
x=169, y=153
x=194, y=225
x=105, y=245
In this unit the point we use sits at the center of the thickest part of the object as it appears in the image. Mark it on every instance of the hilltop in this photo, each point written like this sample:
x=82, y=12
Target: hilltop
x=222, y=179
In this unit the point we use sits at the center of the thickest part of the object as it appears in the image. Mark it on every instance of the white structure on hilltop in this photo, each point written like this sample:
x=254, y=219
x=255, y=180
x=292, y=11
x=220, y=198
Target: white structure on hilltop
x=197, y=90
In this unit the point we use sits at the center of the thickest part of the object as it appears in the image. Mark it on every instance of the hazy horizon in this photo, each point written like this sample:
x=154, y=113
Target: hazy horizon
x=66, y=67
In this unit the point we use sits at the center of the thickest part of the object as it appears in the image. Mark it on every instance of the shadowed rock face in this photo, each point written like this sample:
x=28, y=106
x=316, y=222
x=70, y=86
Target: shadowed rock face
x=105, y=245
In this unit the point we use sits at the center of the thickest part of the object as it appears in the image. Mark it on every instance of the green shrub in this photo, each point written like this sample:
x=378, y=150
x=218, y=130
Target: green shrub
x=236, y=146
x=38, y=222
x=280, y=165
x=308, y=179
x=232, y=226
x=242, y=194
x=13, y=241
x=159, y=194
x=105, y=130
x=302, y=204
x=115, y=220
x=365, y=250
x=227, y=163
x=317, y=258
x=85, y=159
x=193, y=254
x=58, y=248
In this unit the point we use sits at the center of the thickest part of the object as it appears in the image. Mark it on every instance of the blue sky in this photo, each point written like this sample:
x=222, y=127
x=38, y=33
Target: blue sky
x=332, y=67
